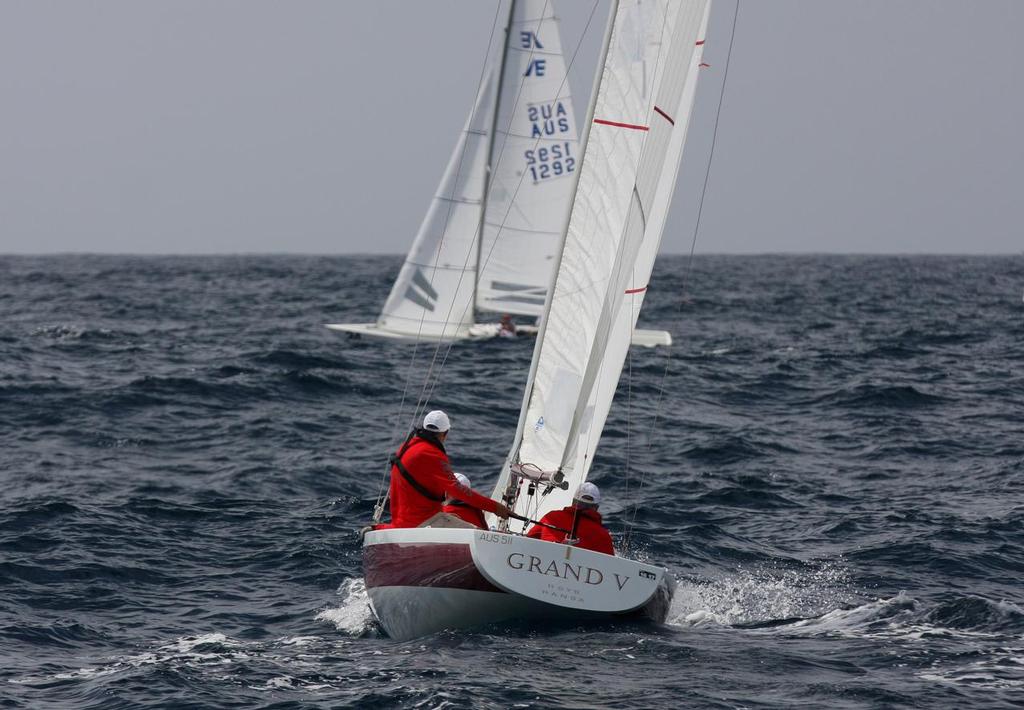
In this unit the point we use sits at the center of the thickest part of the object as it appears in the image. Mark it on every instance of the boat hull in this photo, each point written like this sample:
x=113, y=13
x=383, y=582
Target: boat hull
x=478, y=331
x=423, y=580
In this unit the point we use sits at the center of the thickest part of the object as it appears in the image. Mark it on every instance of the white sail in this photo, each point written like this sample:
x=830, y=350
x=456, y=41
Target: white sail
x=433, y=294
x=533, y=160
x=632, y=155
x=636, y=289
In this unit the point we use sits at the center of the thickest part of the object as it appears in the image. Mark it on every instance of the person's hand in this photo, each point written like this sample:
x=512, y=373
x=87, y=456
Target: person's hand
x=502, y=510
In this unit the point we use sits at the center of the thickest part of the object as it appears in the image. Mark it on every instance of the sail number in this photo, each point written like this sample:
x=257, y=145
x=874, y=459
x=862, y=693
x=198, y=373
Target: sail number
x=550, y=161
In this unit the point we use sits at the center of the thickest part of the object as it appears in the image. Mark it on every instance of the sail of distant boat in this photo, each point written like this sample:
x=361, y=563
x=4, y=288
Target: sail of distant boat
x=492, y=231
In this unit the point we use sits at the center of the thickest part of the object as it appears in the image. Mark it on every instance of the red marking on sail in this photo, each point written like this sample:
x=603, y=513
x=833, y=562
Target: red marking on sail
x=704, y=64
x=636, y=290
x=664, y=115
x=616, y=124
x=700, y=42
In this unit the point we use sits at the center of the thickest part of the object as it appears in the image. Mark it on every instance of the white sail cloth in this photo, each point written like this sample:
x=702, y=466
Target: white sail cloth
x=491, y=233
x=632, y=156
x=534, y=159
x=433, y=294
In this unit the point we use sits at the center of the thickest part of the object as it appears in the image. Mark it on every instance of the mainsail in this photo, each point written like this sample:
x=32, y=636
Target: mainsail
x=633, y=149
x=491, y=232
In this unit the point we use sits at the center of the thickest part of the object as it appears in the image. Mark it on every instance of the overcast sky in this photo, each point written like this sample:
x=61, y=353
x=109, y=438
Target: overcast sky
x=323, y=126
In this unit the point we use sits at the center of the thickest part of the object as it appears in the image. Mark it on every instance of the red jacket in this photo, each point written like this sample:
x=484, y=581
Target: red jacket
x=590, y=532
x=426, y=461
x=471, y=515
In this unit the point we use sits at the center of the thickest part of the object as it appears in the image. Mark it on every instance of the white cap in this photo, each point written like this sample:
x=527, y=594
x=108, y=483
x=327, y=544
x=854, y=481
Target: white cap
x=588, y=493
x=463, y=480
x=436, y=421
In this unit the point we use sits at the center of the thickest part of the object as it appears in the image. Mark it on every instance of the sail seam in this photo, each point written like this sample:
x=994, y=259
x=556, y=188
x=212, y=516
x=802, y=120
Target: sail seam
x=459, y=200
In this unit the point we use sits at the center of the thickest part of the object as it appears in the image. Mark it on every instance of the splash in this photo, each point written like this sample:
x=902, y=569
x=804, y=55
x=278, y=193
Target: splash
x=353, y=616
x=763, y=595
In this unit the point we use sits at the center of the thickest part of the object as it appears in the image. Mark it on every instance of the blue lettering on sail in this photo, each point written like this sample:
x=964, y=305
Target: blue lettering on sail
x=528, y=40
x=547, y=120
x=536, y=67
x=550, y=161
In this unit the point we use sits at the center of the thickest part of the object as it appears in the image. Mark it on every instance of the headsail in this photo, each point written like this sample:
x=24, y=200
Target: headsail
x=433, y=294
x=632, y=154
x=534, y=158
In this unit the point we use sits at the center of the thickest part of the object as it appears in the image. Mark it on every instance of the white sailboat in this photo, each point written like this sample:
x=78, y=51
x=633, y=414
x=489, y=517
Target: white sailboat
x=490, y=238
x=425, y=579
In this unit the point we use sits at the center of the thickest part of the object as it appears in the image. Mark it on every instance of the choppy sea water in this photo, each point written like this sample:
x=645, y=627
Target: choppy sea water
x=835, y=476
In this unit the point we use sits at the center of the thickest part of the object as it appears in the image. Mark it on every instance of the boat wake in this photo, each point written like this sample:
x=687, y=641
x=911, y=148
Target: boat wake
x=963, y=641
x=763, y=596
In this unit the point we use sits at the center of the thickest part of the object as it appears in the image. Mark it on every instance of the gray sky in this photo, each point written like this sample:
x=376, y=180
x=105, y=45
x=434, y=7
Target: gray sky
x=323, y=127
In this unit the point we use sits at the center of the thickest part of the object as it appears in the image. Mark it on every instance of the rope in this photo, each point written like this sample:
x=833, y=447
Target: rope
x=687, y=271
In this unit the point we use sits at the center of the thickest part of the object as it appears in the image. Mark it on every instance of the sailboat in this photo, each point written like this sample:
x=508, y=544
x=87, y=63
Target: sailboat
x=425, y=579
x=491, y=235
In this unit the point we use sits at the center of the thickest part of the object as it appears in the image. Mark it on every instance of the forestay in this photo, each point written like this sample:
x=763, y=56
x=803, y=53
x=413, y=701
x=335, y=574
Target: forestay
x=533, y=159
x=632, y=155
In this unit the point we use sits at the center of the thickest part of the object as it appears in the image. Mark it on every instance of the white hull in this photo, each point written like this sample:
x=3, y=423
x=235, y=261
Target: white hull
x=478, y=331
x=423, y=580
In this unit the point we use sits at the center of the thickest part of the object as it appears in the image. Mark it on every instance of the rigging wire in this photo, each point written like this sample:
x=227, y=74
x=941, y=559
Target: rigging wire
x=688, y=270
x=395, y=434
x=429, y=393
x=427, y=389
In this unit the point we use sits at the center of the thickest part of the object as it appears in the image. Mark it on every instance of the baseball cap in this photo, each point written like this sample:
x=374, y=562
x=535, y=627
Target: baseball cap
x=436, y=421
x=588, y=493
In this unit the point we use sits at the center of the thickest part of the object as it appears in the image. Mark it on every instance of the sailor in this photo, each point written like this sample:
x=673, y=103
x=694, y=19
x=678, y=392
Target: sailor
x=454, y=506
x=581, y=519
x=507, y=329
x=421, y=477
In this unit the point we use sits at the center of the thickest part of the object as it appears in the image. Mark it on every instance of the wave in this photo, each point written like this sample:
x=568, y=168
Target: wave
x=881, y=396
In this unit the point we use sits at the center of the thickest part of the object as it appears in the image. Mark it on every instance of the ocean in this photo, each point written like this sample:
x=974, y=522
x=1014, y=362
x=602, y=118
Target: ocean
x=829, y=459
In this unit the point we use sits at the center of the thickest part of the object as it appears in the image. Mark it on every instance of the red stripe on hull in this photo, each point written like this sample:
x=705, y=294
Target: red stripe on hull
x=423, y=565
x=616, y=124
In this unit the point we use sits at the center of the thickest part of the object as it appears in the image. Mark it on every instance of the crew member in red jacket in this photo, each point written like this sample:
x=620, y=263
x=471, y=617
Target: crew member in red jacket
x=464, y=511
x=421, y=477
x=582, y=519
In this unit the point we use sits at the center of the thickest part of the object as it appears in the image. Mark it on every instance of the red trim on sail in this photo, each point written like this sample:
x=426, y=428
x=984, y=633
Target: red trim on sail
x=700, y=42
x=704, y=64
x=616, y=124
x=636, y=290
x=664, y=115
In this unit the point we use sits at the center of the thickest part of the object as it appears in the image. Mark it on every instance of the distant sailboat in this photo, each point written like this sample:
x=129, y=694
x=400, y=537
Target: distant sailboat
x=489, y=240
x=424, y=579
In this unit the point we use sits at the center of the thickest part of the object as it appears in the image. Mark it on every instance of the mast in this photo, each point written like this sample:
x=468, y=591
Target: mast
x=514, y=451
x=490, y=154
